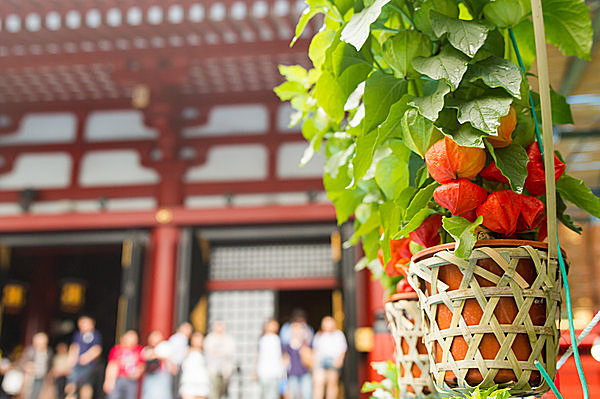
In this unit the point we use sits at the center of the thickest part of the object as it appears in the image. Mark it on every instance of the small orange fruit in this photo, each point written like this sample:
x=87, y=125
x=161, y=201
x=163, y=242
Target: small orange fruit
x=447, y=161
x=507, y=125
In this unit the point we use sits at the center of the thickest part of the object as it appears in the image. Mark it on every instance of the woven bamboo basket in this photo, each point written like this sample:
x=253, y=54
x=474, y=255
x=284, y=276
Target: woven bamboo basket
x=405, y=322
x=488, y=318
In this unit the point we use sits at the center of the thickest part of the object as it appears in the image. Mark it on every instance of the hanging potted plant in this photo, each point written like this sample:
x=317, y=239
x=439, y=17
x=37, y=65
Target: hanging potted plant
x=404, y=314
x=412, y=360
x=424, y=116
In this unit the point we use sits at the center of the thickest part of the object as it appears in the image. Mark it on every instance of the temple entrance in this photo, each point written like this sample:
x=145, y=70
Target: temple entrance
x=314, y=303
x=49, y=281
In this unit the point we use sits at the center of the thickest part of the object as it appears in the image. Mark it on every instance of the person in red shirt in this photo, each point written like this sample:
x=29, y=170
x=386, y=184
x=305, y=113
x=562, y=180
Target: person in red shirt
x=125, y=367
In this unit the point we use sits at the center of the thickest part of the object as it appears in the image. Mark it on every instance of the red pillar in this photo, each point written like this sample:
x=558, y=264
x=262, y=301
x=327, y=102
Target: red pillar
x=161, y=289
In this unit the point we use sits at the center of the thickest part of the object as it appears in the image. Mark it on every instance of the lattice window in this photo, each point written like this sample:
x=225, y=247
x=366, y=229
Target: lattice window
x=271, y=262
x=244, y=313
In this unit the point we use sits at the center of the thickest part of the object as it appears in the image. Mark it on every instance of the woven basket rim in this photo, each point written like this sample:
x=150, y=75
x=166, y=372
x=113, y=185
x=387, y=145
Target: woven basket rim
x=402, y=296
x=501, y=242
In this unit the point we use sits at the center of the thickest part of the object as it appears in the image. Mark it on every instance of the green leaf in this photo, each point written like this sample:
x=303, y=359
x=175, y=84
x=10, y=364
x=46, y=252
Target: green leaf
x=367, y=144
x=420, y=201
x=391, y=173
x=366, y=226
x=344, y=56
x=343, y=5
x=405, y=196
x=512, y=162
x=414, y=222
x=337, y=166
x=357, y=30
x=381, y=91
x=525, y=41
x=294, y=73
x=507, y=13
x=432, y=102
x=419, y=133
x=331, y=92
x=449, y=65
x=345, y=203
x=330, y=95
x=468, y=136
x=466, y=36
x=315, y=141
x=524, y=133
x=400, y=49
x=447, y=119
x=288, y=90
x=576, y=192
x=391, y=127
x=314, y=7
x=561, y=110
x=319, y=45
x=371, y=386
x=476, y=6
x=568, y=26
x=390, y=216
x=493, y=46
x=565, y=219
x=497, y=72
x=421, y=16
x=418, y=171
x=484, y=113
x=463, y=232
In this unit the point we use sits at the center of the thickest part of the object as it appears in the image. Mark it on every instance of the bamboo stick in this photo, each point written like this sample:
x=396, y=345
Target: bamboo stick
x=547, y=139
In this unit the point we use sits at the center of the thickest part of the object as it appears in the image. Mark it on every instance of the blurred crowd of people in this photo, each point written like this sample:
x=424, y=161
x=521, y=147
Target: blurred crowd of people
x=294, y=363
x=299, y=364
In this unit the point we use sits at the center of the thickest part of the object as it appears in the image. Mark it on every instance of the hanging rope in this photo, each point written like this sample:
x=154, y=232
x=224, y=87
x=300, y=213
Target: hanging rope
x=588, y=329
x=561, y=261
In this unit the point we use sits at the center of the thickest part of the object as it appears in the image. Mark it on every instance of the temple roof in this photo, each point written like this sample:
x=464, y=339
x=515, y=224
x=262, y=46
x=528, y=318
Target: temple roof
x=57, y=53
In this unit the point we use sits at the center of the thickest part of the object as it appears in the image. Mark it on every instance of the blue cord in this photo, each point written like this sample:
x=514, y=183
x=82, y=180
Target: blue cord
x=561, y=261
x=538, y=135
x=547, y=378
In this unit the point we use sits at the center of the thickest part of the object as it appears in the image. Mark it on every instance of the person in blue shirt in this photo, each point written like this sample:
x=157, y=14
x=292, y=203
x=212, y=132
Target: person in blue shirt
x=84, y=352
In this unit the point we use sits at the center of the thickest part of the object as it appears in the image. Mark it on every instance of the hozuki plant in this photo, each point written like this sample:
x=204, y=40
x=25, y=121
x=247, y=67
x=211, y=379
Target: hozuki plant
x=425, y=122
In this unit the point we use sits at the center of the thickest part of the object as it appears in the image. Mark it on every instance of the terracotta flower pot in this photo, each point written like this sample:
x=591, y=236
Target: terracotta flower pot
x=404, y=318
x=502, y=317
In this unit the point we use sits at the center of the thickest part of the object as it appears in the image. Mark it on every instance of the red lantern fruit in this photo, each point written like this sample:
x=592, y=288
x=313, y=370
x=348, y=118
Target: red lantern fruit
x=400, y=257
x=460, y=196
x=404, y=287
x=428, y=233
x=536, y=180
x=532, y=213
x=447, y=161
x=501, y=211
x=492, y=173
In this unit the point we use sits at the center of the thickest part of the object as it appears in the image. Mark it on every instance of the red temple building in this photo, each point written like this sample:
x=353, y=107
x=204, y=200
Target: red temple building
x=148, y=176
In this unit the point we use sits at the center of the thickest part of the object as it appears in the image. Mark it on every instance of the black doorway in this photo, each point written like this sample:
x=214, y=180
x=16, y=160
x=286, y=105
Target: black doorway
x=316, y=304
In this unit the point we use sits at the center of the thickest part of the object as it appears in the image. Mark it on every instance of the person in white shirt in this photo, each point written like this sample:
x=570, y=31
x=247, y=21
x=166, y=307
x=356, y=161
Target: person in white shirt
x=195, y=383
x=329, y=348
x=219, y=349
x=179, y=350
x=269, y=362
